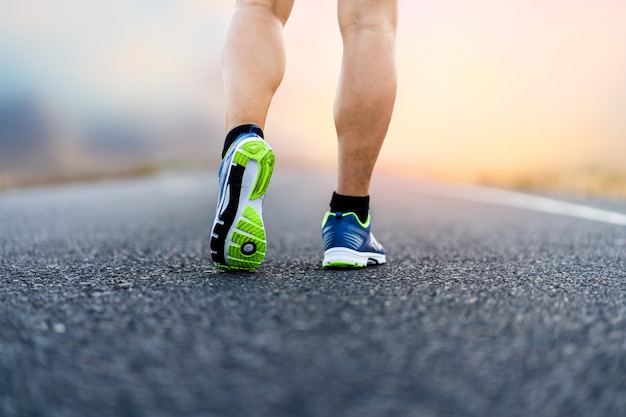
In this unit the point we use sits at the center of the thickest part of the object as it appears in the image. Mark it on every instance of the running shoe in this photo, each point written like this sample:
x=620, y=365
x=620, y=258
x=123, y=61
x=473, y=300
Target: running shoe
x=238, y=236
x=348, y=243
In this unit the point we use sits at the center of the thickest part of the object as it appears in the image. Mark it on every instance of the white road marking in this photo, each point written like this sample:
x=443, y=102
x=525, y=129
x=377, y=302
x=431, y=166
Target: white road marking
x=524, y=201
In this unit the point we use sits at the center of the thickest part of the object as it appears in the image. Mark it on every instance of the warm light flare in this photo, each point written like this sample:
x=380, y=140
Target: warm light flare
x=490, y=90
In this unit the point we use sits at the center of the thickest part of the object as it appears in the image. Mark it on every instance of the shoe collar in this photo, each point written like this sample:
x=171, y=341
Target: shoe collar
x=340, y=214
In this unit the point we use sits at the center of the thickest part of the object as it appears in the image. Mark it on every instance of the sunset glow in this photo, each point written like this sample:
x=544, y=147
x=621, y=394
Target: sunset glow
x=488, y=90
x=494, y=89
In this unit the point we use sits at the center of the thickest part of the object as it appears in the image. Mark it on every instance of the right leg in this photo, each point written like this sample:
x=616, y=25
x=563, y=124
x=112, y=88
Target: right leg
x=363, y=107
x=253, y=67
x=366, y=91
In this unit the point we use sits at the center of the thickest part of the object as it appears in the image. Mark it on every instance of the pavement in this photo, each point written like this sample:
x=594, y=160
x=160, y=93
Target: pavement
x=110, y=306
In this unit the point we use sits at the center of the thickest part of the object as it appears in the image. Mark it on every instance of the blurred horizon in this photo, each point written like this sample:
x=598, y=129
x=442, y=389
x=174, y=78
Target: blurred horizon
x=527, y=95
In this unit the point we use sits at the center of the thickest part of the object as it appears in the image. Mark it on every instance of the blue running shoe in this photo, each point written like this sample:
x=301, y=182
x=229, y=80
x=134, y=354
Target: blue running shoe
x=348, y=243
x=238, y=236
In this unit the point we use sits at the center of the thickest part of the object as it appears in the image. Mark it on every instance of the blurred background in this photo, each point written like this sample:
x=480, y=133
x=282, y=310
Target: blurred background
x=529, y=94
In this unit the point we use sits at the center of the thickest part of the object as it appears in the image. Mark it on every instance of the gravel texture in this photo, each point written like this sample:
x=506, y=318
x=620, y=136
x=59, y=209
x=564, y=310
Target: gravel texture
x=110, y=306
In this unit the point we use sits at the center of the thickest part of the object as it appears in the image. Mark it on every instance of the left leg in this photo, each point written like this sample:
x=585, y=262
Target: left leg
x=253, y=61
x=253, y=67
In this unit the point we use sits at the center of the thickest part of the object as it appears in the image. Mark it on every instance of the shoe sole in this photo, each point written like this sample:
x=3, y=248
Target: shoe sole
x=344, y=258
x=238, y=240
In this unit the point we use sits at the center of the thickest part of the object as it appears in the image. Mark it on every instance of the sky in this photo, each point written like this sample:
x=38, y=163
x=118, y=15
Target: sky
x=487, y=89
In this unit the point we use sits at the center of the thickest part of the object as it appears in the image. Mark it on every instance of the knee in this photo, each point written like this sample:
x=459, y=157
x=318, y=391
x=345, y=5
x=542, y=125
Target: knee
x=280, y=9
x=357, y=16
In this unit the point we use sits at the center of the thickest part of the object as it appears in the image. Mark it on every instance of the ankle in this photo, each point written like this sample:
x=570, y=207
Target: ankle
x=232, y=136
x=351, y=204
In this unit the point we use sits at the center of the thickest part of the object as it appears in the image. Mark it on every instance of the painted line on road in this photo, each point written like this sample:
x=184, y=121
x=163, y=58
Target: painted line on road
x=515, y=199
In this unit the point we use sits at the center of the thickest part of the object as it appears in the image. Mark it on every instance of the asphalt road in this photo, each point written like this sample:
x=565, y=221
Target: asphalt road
x=110, y=306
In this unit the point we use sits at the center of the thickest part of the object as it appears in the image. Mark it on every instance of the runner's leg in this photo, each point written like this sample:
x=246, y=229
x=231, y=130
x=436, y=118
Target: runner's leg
x=366, y=91
x=253, y=59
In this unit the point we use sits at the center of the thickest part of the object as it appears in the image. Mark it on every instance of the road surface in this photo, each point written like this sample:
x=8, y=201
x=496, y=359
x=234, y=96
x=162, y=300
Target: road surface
x=110, y=305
